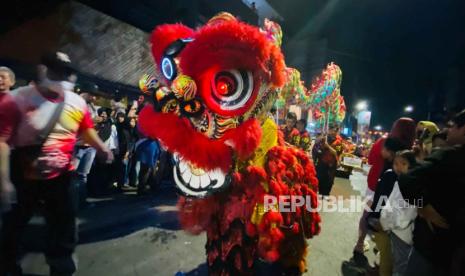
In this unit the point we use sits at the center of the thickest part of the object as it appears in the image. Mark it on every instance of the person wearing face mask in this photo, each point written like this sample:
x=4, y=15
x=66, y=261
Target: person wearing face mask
x=50, y=118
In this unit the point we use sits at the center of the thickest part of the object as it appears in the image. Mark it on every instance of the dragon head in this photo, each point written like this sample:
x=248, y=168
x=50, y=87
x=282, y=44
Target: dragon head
x=215, y=87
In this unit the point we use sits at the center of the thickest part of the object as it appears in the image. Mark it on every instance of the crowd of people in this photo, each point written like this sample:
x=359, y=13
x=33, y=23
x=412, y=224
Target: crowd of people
x=416, y=194
x=136, y=157
x=56, y=143
x=57, y=147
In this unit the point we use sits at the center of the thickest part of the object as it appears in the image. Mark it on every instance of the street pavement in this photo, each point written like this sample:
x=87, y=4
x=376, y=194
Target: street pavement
x=130, y=235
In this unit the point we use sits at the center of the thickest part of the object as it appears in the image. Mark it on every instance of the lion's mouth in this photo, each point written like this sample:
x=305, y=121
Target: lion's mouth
x=193, y=181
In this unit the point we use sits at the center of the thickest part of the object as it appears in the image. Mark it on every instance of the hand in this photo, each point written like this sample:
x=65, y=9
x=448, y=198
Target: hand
x=7, y=195
x=432, y=217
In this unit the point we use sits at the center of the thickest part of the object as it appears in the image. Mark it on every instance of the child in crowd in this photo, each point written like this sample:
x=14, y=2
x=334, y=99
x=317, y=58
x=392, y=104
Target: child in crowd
x=399, y=216
x=383, y=190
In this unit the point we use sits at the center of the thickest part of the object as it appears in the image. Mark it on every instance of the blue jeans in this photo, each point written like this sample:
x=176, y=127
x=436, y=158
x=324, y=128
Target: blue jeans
x=85, y=159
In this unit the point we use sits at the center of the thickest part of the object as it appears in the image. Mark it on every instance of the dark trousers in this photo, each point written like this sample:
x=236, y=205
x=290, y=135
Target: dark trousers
x=419, y=265
x=57, y=198
x=325, y=175
x=101, y=178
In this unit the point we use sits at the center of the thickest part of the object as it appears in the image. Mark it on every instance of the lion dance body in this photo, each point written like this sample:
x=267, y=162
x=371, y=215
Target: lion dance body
x=210, y=109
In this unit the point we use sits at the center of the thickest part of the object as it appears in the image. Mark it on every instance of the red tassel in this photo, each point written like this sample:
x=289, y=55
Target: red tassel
x=295, y=228
x=272, y=255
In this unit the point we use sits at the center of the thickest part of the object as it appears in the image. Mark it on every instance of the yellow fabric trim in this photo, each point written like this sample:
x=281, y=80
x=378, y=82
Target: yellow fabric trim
x=269, y=140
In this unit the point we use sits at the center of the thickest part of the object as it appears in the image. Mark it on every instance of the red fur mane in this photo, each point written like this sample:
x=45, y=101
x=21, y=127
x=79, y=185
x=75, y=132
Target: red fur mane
x=231, y=45
x=179, y=136
x=166, y=34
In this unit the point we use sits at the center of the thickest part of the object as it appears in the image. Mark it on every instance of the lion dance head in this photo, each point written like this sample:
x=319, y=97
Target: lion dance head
x=210, y=109
x=216, y=84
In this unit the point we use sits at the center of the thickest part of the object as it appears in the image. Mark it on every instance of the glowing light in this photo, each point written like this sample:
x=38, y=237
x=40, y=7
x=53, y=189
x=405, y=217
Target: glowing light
x=362, y=105
x=167, y=68
x=408, y=109
x=222, y=87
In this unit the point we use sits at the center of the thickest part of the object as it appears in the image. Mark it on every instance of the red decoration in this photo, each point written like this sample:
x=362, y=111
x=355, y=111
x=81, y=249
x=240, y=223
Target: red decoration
x=245, y=139
x=222, y=88
x=234, y=240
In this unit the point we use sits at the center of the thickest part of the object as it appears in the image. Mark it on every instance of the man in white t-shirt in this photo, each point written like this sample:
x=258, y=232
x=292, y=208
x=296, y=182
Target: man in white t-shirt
x=50, y=117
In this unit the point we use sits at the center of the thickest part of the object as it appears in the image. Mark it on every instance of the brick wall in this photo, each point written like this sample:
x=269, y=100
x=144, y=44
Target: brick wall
x=98, y=44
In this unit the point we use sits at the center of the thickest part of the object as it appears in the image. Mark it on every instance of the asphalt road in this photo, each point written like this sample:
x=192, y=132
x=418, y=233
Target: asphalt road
x=128, y=235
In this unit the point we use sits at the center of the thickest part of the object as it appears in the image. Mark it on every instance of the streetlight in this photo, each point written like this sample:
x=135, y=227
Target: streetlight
x=408, y=109
x=362, y=105
x=378, y=127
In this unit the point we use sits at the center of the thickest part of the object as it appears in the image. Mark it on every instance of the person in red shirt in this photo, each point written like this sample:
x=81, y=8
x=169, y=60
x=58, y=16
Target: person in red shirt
x=291, y=134
x=403, y=130
x=7, y=124
x=305, y=141
x=41, y=163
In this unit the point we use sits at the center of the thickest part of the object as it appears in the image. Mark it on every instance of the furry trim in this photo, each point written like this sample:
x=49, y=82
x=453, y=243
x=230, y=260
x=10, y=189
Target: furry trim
x=180, y=137
x=233, y=45
x=163, y=35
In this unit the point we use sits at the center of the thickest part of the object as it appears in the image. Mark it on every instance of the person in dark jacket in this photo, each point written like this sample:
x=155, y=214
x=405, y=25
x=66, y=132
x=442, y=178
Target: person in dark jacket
x=403, y=130
x=325, y=153
x=437, y=187
x=134, y=136
x=101, y=178
x=122, y=158
x=382, y=192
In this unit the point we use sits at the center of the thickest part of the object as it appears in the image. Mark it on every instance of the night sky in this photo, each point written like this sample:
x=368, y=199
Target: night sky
x=392, y=53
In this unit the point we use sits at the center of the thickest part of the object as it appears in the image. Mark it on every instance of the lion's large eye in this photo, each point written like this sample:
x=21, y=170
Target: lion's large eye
x=232, y=89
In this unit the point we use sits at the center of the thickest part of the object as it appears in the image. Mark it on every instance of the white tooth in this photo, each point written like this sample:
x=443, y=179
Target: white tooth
x=204, y=181
x=182, y=166
x=186, y=176
x=186, y=190
x=195, y=182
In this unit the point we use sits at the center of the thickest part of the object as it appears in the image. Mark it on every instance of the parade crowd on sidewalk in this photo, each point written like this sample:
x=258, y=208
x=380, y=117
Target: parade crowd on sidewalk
x=58, y=147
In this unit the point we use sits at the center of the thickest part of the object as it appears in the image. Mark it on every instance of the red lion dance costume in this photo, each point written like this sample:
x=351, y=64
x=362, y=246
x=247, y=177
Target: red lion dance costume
x=210, y=110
